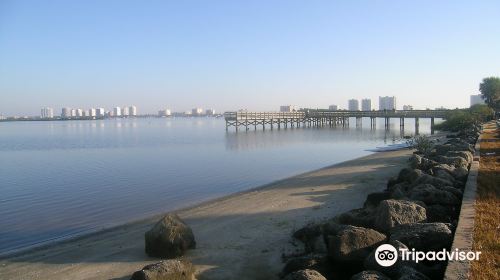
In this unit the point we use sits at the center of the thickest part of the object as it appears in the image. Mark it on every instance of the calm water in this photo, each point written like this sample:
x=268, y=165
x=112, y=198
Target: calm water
x=60, y=179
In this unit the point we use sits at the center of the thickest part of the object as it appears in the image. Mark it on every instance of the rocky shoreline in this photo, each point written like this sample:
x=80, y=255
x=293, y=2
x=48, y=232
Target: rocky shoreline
x=417, y=211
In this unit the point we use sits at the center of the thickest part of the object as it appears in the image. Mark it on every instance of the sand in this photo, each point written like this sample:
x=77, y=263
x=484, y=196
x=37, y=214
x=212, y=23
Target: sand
x=242, y=236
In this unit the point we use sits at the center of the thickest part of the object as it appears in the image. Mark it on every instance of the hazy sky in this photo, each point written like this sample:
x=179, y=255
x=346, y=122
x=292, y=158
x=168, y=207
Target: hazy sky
x=243, y=54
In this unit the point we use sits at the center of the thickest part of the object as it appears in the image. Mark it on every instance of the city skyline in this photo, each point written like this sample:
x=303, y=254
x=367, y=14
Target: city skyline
x=237, y=55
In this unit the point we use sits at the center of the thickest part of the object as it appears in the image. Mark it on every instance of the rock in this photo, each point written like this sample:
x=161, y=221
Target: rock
x=468, y=156
x=373, y=199
x=309, y=235
x=432, y=195
x=423, y=236
x=391, y=213
x=169, y=238
x=370, y=275
x=356, y=217
x=445, y=167
x=313, y=262
x=353, y=243
x=306, y=274
x=455, y=161
x=166, y=270
x=456, y=192
x=371, y=264
x=308, y=232
x=440, y=213
x=443, y=149
x=420, y=162
x=461, y=173
x=410, y=273
x=409, y=175
x=445, y=175
x=332, y=227
x=415, y=161
x=319, y=246
x=391, y=182
x=428, y=179
x=399, y=191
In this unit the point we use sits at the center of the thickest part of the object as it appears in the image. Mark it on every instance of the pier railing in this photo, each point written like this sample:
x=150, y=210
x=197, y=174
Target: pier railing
x=263, y=115
x=336, y=114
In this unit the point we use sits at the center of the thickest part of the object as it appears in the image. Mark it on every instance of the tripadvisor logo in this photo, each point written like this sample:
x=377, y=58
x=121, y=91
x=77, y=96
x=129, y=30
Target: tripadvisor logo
x=387, y=255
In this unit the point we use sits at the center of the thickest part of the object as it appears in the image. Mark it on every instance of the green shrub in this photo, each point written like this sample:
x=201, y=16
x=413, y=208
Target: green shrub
x=421, y=143
x=462, y=119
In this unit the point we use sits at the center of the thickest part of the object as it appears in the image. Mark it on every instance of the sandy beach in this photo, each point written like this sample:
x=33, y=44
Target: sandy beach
x=241, y=236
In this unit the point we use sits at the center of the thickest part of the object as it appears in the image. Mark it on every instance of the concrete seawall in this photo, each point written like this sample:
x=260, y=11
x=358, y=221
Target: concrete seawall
x=464, y=234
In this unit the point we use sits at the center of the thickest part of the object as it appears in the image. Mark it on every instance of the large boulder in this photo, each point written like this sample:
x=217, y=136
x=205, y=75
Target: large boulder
x=356, y=217
x=445, y=175
x=441, y=213
x=166, y=270
x=353, y=243
x=391, y=213
x=455, y=161
x=420, y=162
x=313, y=262
x=170, y=237
x=456, y=146
x=373, y=199
x=428, y=179
x=468, y=156
x=423, y=236
x=306, y=274
x=444, y=167
x=370, y=275
x=310, y=235
x=409, y=175
x=431, y=195
x=461, y=173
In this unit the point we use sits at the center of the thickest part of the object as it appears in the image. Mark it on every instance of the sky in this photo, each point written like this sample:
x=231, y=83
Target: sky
x=254, y=55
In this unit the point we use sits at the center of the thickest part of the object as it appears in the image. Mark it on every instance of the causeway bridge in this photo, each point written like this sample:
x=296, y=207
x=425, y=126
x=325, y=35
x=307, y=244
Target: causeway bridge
x=320, y=118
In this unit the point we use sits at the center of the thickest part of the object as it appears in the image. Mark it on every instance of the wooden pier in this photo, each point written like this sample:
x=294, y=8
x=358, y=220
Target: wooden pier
x=320, y=118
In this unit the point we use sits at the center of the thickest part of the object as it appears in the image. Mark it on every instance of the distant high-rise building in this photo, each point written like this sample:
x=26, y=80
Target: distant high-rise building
x=476, y=99
x=125, y=111
x=333, y=107
x=79, y=113
x=92, y=112
x=407, y=107
x=100, y=112
x=210, y=112
x=73, y=113
x=387, y=103
x=197, y=112
x=66, y=112
x=288, y=108
x=47, y=113
x=164, y=113
x=353, y=105
x=117, y=111
x=132, y=110
x=366, y=104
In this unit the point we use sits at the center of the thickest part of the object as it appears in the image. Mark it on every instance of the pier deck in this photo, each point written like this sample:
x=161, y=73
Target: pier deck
x=318, y=118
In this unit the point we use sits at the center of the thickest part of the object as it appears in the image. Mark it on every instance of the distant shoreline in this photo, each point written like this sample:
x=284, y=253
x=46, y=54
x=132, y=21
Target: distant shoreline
x=37, y=119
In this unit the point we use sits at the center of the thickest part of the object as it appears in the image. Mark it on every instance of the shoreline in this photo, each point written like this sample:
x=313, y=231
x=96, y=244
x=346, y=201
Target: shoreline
x=153, y=218
x=209, y=220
